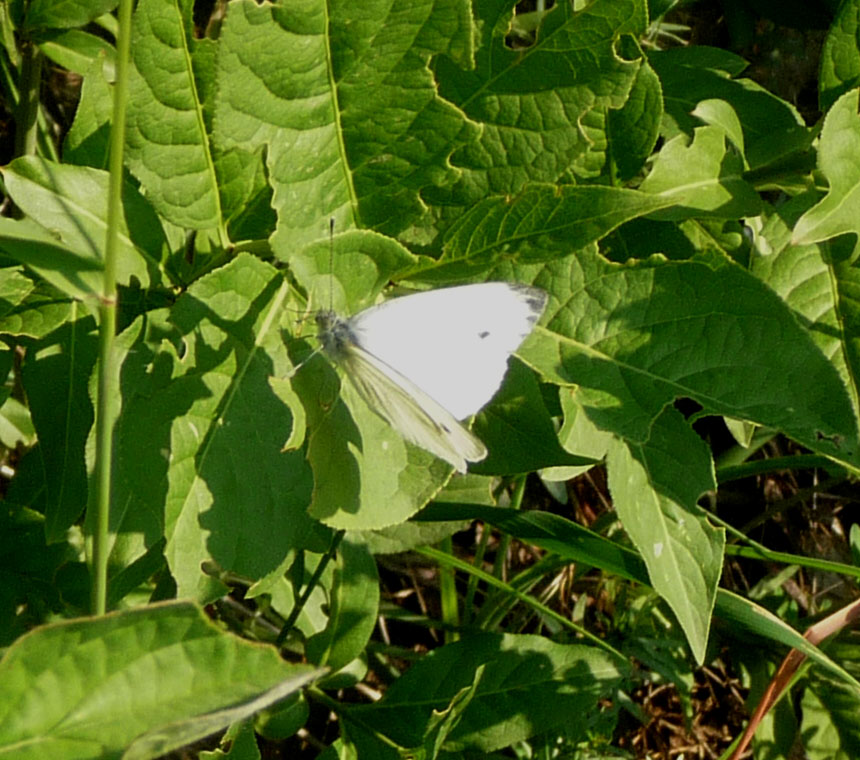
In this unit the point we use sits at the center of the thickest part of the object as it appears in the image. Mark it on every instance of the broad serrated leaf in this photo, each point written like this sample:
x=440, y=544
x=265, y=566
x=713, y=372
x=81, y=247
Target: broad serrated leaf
x=166, y=138
x=200, y=435
x=348, y=112
x=839, y=160
x=819, y=281
x=540, y=224
x=636, y=337
x=88, y=688
x=532, y=103
x=530, y=685
x=772, y=127
x=701, y=178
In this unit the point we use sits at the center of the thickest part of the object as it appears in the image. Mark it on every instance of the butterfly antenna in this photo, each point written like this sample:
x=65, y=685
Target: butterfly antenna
x=317, y=350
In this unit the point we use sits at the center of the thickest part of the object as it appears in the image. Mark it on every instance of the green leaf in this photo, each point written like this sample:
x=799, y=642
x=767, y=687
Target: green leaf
x=283, y=720
x=64, y=14
x=655, y=489
x=829, y=726
x=241, y=741
x=517, y=428
x=541, y=224
x=743, y=615
x=28, y=570
x=443, y=721
x=347, y=272
x=353, y=608
x=719, y=113
x=531, y=103
x=348, y=112
x=530, y=685
x=550, y=532
x=42, y=312
x=86, y=142
x=840, y=56
x=16, y=426
x=820, y=282
x=772, y=128
x=366, y=476
x=199, y=440
x=77, y=50
x=634, y=128
x=162, y=740
x=77, y=275
x=69, y=203
x=683, y=329
x=88, y=688
x=405, y=536
x=55, y=374
x=839, y=160
x=15, y=286
x=701, y=178
x=166, y=139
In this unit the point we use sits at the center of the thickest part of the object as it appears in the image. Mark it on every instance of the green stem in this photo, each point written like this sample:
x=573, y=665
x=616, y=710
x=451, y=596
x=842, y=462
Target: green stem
x=312, y=584
x=107, y=318
x=499, y=565
x=27, y=112
x=448, y=594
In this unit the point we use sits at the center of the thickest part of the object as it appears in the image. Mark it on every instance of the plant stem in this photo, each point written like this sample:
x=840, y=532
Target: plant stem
x=27, y=112
x=107, y=319
x=312, y=584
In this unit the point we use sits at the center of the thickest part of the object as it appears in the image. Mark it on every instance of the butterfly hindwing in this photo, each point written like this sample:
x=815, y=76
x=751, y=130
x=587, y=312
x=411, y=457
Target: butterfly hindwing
x=410, y=411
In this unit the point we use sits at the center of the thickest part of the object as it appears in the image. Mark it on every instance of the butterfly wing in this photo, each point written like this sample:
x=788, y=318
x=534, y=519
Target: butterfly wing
x=452, y=343
x=410, y=411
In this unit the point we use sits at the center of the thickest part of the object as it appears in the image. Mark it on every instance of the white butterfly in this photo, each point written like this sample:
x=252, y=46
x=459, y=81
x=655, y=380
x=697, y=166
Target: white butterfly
x=422, y=362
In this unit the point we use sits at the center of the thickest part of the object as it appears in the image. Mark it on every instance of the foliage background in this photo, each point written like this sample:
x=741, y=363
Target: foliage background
x=694, y=222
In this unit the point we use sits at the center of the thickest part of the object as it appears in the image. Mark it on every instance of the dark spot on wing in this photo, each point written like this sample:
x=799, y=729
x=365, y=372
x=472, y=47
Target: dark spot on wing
x=444, y=427
x=484, y=334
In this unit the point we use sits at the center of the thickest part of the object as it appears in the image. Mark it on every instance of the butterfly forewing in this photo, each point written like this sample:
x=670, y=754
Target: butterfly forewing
x=453, y=343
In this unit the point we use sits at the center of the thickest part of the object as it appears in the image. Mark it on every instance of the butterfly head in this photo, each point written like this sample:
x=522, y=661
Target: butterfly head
x=334, y=334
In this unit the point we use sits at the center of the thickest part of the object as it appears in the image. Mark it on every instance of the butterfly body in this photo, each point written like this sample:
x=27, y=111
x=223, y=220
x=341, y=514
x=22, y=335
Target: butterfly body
x=426, y=361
